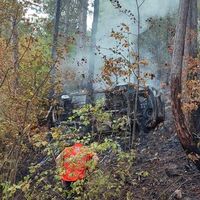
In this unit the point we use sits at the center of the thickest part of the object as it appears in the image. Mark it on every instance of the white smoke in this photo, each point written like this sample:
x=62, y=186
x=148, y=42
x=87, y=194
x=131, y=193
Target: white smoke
x=110, y=18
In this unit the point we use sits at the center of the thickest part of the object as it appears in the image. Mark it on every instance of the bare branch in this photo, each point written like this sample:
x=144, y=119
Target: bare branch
x=4, y=78
x=141, y=3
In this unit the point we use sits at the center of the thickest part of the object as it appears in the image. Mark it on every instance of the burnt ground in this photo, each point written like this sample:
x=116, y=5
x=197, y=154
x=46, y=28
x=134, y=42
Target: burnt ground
x=171, y=176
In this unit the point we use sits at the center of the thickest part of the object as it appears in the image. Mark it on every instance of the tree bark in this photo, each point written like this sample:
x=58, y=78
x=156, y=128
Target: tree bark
x=83, y=23
x=90, y=96
x=188, y=141
x=191, y=51
x=191, y=31
x=55, y=44
x=15, y=46
x=66, y=19
x=15, y=43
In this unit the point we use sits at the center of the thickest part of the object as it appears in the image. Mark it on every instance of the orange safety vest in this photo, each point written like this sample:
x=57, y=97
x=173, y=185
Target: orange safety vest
x=75, y=162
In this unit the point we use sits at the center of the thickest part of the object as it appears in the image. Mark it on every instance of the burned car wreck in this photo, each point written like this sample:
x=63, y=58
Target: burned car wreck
x=150, y=108
x=119, y=101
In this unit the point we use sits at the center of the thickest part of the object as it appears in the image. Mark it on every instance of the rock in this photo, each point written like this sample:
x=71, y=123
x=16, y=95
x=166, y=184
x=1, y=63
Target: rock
x=178, y=194
x=172, y=171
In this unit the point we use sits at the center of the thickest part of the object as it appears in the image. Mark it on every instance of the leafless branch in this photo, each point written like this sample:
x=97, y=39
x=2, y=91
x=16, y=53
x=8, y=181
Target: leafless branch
x=141, y=3
x=4, y=78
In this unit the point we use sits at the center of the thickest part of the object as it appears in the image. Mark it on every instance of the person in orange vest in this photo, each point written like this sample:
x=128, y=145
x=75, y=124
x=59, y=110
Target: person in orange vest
x=74, y=162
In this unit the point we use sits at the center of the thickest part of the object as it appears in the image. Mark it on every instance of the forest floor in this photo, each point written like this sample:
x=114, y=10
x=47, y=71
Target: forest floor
x=171, y=176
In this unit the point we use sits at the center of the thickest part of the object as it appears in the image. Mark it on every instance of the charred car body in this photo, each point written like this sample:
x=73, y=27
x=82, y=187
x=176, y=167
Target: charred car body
x=150, y=107
x=120, y=101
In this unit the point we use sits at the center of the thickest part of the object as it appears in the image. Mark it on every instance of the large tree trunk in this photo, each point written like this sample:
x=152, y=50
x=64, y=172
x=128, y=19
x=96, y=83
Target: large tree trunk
x=82, y=51
x=189, y=143
x=191, y=31
x=66, y=19
x=191, y=51
x=55, y=44
x=83, y=23
x=90, y=96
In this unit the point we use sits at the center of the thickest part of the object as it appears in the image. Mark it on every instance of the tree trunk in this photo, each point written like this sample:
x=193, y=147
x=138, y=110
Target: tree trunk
x=191, y=51
x=90, y=96
x=55, y=44
x=188, y=141
x=82, y=51
x=83, y=24
x=66, y=19
x=191, y=31
x=15, y=43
